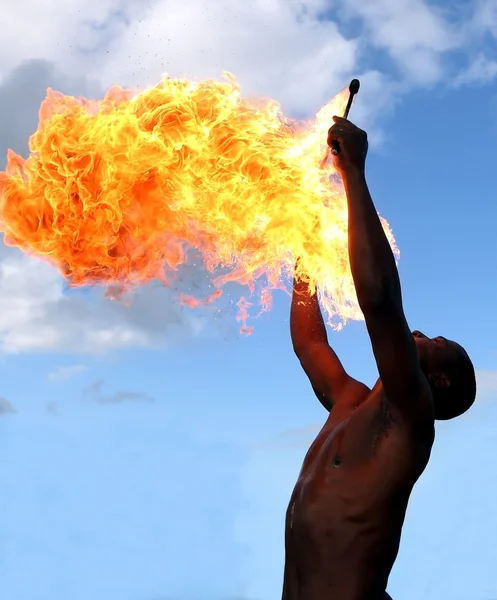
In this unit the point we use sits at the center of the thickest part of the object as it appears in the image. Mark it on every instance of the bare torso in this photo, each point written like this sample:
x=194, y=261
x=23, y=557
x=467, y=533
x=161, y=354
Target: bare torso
x=345, y=516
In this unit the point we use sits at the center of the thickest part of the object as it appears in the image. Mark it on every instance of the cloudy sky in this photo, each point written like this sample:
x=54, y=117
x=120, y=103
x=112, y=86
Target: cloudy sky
x=148, y=451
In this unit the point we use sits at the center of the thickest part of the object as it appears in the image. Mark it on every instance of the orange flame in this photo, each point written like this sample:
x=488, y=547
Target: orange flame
x=119, y=191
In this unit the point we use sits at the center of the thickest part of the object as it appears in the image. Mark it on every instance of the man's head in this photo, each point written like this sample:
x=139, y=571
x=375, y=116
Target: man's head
x=450, y=372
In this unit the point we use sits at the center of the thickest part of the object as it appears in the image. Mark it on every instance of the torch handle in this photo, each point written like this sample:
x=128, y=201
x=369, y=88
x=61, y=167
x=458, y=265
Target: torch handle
x=353, y=88
x=335, y=146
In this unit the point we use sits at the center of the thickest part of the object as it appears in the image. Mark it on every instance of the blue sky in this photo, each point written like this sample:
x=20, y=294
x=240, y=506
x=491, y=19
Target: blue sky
x=148, y=452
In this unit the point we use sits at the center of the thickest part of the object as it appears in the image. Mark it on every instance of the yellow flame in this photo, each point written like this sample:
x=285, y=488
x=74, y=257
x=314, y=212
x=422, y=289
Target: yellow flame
x=117, y=191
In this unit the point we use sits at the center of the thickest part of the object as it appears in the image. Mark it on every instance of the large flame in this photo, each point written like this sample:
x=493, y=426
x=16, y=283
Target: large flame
x=119, y=191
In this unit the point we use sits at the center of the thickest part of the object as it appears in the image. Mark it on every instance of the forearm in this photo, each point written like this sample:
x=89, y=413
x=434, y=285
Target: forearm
x=372, y=263
x=306, y=320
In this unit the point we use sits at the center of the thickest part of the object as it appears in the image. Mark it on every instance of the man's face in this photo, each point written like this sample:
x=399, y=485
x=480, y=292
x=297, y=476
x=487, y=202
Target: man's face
x=433, y=350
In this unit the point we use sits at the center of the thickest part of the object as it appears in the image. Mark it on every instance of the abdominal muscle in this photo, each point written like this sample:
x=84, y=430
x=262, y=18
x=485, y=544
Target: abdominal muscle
x=345, y=517
x=346, y=559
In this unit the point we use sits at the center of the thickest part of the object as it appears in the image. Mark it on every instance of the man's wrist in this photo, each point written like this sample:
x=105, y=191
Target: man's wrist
x=353, y=175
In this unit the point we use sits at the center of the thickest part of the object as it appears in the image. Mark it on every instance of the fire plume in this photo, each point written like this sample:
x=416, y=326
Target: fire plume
x=120, y=191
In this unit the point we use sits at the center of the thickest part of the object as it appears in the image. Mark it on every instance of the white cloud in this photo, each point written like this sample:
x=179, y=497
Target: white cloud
x=21, y=93
x=59, y=31
x=295, y=51
x=413, y=33
x=279, y=48
x=485, y=16
x=275, y=48
x=481, y=70
x=63, y=374
x=37, y=315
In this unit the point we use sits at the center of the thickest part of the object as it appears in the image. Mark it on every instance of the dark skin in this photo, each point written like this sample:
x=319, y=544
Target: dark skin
x=345, y=516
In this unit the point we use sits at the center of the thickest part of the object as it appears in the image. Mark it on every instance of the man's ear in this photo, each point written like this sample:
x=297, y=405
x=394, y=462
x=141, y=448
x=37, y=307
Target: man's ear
x=439, y=380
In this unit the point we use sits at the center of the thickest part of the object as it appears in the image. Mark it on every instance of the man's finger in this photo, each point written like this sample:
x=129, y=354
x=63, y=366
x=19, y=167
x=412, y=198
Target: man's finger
x=334, y=135
x=344, y=123
x=336, y=131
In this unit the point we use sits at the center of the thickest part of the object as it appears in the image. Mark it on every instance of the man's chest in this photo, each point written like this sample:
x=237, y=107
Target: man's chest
x=350, y=439
x=357, y=462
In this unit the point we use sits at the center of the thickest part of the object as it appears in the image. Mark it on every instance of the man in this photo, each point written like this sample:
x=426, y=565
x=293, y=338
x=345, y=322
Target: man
x=345, y=516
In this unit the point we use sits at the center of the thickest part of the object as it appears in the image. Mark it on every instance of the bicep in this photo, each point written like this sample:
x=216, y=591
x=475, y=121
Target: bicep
x=329, y=380
x=396, y=357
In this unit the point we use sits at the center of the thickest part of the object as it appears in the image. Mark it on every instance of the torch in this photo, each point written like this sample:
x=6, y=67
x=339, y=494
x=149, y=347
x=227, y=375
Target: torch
x=353, y=89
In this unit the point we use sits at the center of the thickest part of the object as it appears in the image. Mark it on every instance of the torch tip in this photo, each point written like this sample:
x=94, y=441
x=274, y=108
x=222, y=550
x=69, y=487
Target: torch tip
x=354, y=86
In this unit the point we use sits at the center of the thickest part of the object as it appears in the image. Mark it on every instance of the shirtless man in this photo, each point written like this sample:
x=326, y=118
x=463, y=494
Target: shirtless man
x=345, y=517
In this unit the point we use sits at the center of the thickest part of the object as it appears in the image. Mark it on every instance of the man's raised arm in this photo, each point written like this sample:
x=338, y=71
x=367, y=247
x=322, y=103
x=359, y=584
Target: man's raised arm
x=376, y=277
x=328, y=378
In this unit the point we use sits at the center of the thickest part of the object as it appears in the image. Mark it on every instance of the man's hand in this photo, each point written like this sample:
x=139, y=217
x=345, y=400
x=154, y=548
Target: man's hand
x=353, y=146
